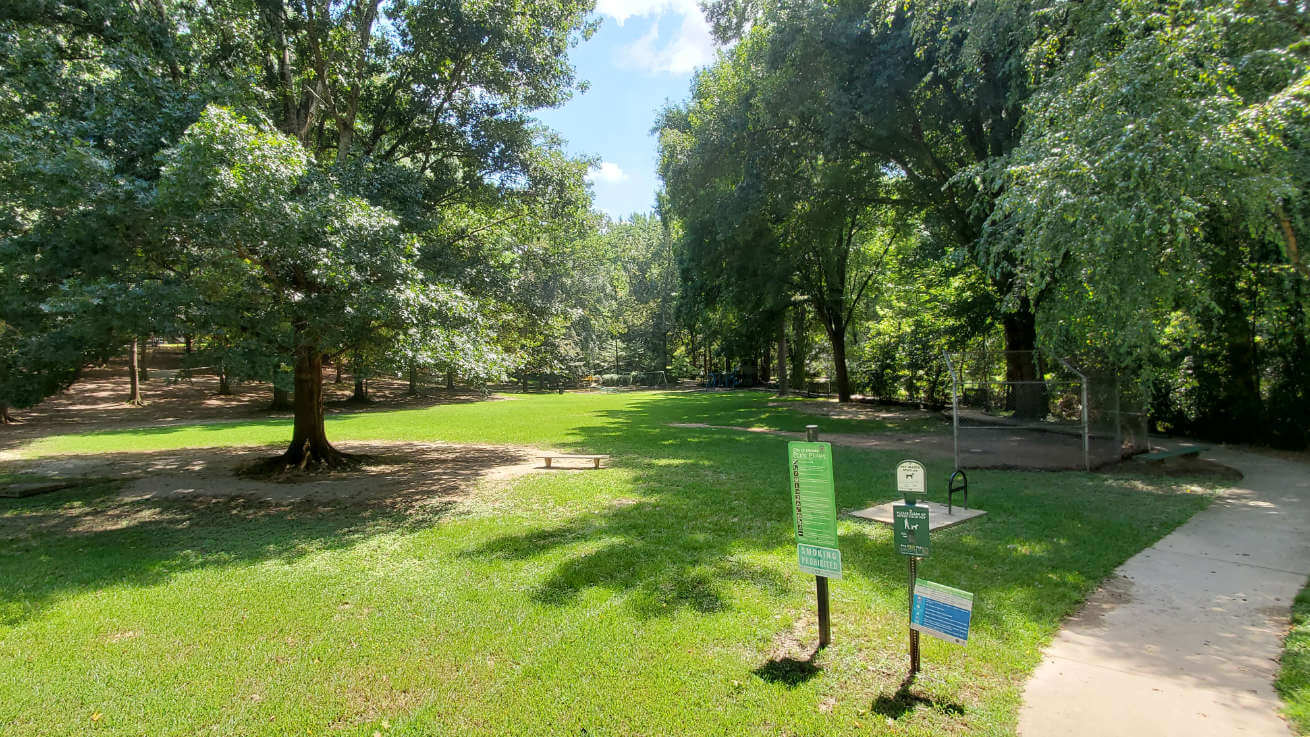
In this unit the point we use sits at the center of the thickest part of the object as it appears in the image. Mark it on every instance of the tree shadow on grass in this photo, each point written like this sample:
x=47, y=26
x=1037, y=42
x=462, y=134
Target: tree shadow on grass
x=709, y=501
x=177, y=520
x=663, y=553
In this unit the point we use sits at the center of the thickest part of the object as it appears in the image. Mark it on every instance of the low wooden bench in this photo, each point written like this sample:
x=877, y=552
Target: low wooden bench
x=558, y=456
x=1160, y=455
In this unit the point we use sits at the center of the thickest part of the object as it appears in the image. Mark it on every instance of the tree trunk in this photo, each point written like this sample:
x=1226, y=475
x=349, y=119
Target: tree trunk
x=838, y=339
x=1028, y=400
x=361, y=386
x=5, y=417
x=450, y=381
x=186, y=365
x=413, y=380
x=134, y=370
x=309, y=444
x=337, y=361
x=141, y=362
x=798, y=347
x=281, y=401
x=224, y=385
x=782, y=354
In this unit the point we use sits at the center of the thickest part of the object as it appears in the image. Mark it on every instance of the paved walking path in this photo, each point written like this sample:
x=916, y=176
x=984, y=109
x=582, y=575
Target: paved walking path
x=1184, y=639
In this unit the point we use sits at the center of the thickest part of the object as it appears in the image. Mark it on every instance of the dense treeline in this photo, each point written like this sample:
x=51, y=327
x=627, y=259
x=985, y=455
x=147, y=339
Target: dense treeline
x=284, y=180
x=1122, y=184
x=851, y=190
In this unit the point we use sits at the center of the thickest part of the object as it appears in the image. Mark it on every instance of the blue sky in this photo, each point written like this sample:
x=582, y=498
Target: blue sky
x=642, y=56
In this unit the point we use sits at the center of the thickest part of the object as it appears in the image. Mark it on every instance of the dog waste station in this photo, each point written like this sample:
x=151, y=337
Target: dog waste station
x=934, y=609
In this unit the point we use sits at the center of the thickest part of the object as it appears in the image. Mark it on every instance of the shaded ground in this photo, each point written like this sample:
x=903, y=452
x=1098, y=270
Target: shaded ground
x=859, y=411
x=1016, y=449
x=996, y=449
x=98, y=400
x=397, y=474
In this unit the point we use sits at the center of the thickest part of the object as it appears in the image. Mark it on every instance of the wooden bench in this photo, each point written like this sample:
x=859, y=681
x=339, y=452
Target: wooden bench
x=1160, y=455
x=557, y=456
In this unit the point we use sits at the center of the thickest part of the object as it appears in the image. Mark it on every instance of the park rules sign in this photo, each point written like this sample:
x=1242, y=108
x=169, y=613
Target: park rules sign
x=814, y=506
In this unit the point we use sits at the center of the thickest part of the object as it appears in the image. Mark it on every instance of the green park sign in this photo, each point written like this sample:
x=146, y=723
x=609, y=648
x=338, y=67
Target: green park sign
x=910, y=529
x=814, y=507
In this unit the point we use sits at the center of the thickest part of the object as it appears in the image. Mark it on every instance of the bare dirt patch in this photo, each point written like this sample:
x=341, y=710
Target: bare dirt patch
x=858, y=411
x=1177, y=467
x=97, y=400
x=1000, y=448
x=396, y=474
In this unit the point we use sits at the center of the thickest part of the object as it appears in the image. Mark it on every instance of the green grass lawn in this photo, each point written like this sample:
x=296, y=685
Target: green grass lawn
x=1294, y=675
x=523, y=419
x=656, y=597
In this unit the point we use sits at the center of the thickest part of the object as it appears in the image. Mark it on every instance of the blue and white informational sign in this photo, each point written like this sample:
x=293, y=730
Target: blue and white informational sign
x=941, y=611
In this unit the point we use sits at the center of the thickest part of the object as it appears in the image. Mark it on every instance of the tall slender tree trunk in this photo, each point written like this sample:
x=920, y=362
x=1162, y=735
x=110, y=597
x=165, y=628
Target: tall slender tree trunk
x=782, y=354
x=413, y=379
x=837, y=337
x=450, y=381
x=281, y=400
x=224, y=383
x=5, y=417
x=186, y=350
x=141, y=362
x=337, y=362
x=360, y=393
x=309, y=444
x=799, y=347
x=1027, y=399
x=134, y=370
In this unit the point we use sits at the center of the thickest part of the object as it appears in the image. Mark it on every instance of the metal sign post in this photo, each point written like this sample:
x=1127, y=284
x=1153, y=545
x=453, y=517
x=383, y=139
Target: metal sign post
x=910, y=531
x=814, y=506
x=914, y=634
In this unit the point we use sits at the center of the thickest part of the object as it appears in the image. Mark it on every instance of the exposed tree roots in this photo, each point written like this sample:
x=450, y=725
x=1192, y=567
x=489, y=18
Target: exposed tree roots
x=298, y=462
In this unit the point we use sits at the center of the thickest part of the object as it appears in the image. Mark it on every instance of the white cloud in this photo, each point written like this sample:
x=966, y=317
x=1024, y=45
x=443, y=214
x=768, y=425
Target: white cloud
x=621, y=10
x=607, y=172
x=691, y=47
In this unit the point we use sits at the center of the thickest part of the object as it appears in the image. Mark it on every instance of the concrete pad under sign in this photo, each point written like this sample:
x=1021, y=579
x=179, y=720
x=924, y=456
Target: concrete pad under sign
x=937, y=516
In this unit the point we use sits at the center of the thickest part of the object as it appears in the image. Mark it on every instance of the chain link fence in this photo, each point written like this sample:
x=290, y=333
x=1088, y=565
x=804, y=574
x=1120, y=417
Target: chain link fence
x=1059, y=416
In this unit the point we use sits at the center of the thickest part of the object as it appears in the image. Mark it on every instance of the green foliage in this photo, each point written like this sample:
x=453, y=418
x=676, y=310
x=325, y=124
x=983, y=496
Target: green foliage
x=391, y=192
x=1149, y=125
x=286, y=245
x=1294, y=674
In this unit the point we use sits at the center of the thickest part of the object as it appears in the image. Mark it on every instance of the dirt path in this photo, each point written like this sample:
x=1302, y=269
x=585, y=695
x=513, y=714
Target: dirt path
x=998, y=449
x=97, y=401
x=397, y=473
x=1185, y=638
x=933, y=445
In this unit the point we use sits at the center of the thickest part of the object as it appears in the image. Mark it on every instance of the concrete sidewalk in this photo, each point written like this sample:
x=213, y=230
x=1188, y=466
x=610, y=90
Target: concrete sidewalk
x=1184, y=638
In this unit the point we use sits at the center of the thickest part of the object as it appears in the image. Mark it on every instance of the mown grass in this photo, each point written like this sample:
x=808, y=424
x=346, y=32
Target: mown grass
x=656, y=597
x=1294, y=674
x=521, y=419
